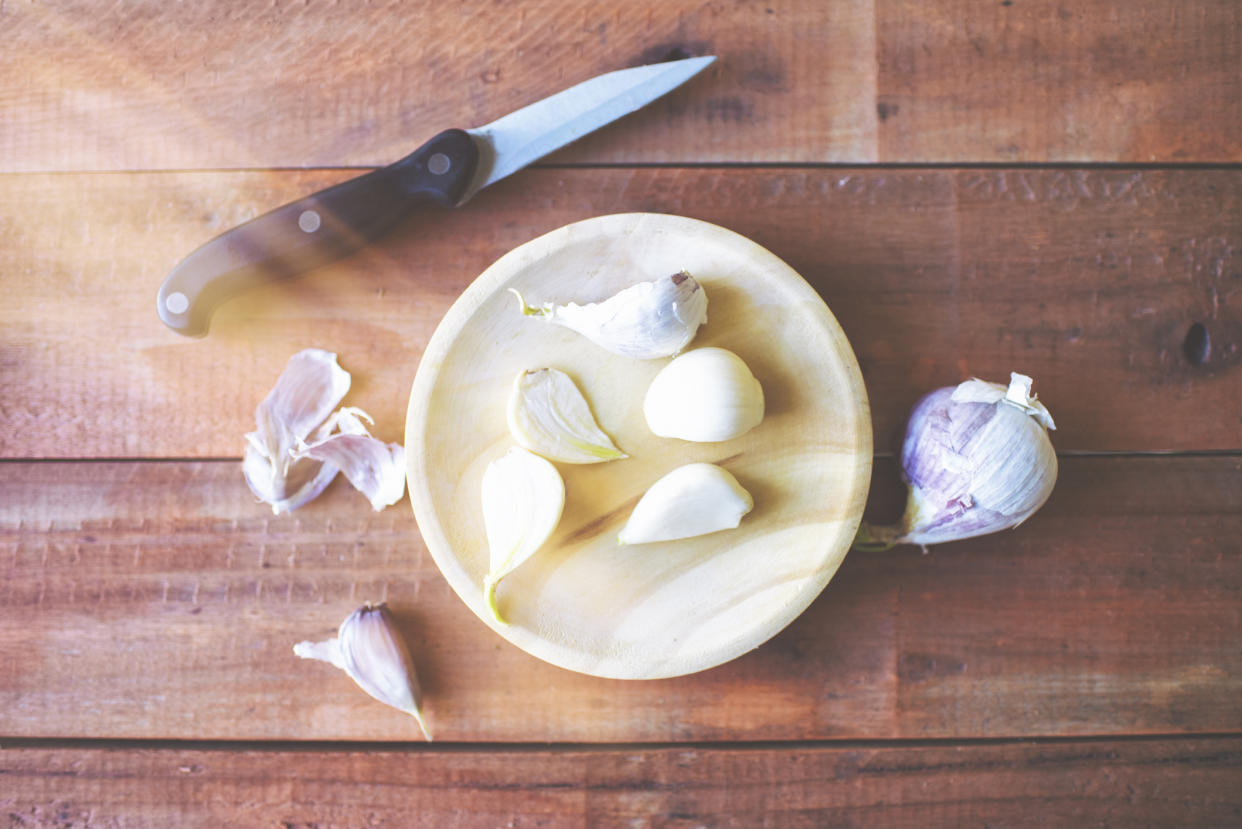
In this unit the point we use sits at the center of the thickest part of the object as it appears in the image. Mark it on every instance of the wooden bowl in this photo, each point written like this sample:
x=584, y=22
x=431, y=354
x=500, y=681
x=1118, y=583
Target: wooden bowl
x=651, y=610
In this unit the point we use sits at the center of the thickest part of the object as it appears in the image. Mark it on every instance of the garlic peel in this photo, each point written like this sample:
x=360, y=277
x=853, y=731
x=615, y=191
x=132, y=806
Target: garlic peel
x=1017, y=393
x=705, y=395
x=523, y=496
x=285, y=467
x=692, y=500
x=300, y=483
x=308, y=389
x=370, y=649
x=645, y=321
x=376, y=469
x=548, y=415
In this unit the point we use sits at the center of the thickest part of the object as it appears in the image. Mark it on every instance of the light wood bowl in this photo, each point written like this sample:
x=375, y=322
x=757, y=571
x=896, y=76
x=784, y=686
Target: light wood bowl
x=652, y=610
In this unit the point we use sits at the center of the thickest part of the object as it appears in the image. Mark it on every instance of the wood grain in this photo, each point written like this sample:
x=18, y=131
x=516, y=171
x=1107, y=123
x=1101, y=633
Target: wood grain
x=153, y=85
x=1093, y=282
x=159, y=600
x=219, y=85
x=1173, y=783
x=1043, y=80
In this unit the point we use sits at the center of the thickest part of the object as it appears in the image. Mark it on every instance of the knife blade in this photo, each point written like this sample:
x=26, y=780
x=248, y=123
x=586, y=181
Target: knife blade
x=446, y=172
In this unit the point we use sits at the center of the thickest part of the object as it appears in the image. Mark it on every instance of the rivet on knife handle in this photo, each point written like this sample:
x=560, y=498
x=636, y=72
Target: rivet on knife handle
x=315, y=230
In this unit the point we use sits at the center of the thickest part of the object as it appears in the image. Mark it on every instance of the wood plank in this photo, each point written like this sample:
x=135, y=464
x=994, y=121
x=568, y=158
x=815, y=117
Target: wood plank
x=1090, y=281
x=159, y=600
x=1175, y=783
x=1043, y=80
x=217, y=85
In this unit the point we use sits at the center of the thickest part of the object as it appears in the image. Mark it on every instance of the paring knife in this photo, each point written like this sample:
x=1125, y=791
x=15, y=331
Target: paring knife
x=443, y=173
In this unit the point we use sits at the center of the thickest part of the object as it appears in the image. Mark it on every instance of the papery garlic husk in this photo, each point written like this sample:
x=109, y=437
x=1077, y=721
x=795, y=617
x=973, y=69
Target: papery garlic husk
x=523, y=496
x=977, y=459
x=369, y=647
x=704, y=395
x=644, y=321
x=306, y=392
x=376, y=469
x=549, y=416
x=695, y=499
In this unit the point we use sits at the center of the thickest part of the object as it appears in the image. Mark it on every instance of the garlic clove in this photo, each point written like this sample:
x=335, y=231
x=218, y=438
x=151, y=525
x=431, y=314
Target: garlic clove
x=705, y=395
x=311, y=385
x=376, y=469
x=644, y=321
x=549, y=416
x=694, y=499
x=523, y=496
x=369, y=647
x=977, y=459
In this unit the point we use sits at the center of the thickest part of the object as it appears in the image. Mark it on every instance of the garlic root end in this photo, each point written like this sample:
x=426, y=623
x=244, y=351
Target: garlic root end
x=489, y=593
x=526, y=309
x=422, y=723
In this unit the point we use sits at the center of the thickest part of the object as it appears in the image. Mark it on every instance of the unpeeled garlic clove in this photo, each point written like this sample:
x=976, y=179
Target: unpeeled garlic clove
x=705, y=395
x=549, y=416
x=523, y=496
x=370, y=648
x=644, y=321
x=694, y=499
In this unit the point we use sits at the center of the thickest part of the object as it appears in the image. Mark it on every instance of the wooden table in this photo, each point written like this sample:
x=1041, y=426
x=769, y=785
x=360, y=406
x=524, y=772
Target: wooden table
x=973, y=188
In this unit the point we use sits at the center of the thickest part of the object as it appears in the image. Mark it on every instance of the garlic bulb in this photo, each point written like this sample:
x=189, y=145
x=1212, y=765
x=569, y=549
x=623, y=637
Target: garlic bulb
x=977, y=459
x=369, y=648
x=549, y=416
x=694, y=499
x=523, y=496
x=706, y=395
x=644, y=321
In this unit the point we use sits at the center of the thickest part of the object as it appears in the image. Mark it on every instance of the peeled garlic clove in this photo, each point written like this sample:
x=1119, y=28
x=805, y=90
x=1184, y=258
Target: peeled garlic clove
x=549, y=416
x=705, y=395
x=644, y=321
x=977, y=458
x=370, y=648
x=694, y=499
x=523, y=496
x=311, y=385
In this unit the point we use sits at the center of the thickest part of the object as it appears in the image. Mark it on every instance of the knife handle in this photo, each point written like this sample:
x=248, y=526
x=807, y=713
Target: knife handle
x=315, y=230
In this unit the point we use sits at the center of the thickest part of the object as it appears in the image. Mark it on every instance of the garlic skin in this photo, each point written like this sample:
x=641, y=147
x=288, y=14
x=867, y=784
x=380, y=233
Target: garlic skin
x=307, y=391
x=369, y=647
x=523, y=496
x=705, y=395
x=978, y=460
x=695, y=499
x=549, y=416
x=644, y=321
x=286, y=468
x=376, y=469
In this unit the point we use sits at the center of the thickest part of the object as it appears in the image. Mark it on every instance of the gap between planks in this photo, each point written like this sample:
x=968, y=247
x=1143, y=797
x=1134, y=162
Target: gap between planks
x=455, y=747
x=1118, y=166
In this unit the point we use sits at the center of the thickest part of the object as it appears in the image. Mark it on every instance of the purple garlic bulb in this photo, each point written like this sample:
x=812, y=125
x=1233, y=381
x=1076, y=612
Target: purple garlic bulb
x=977, y=459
